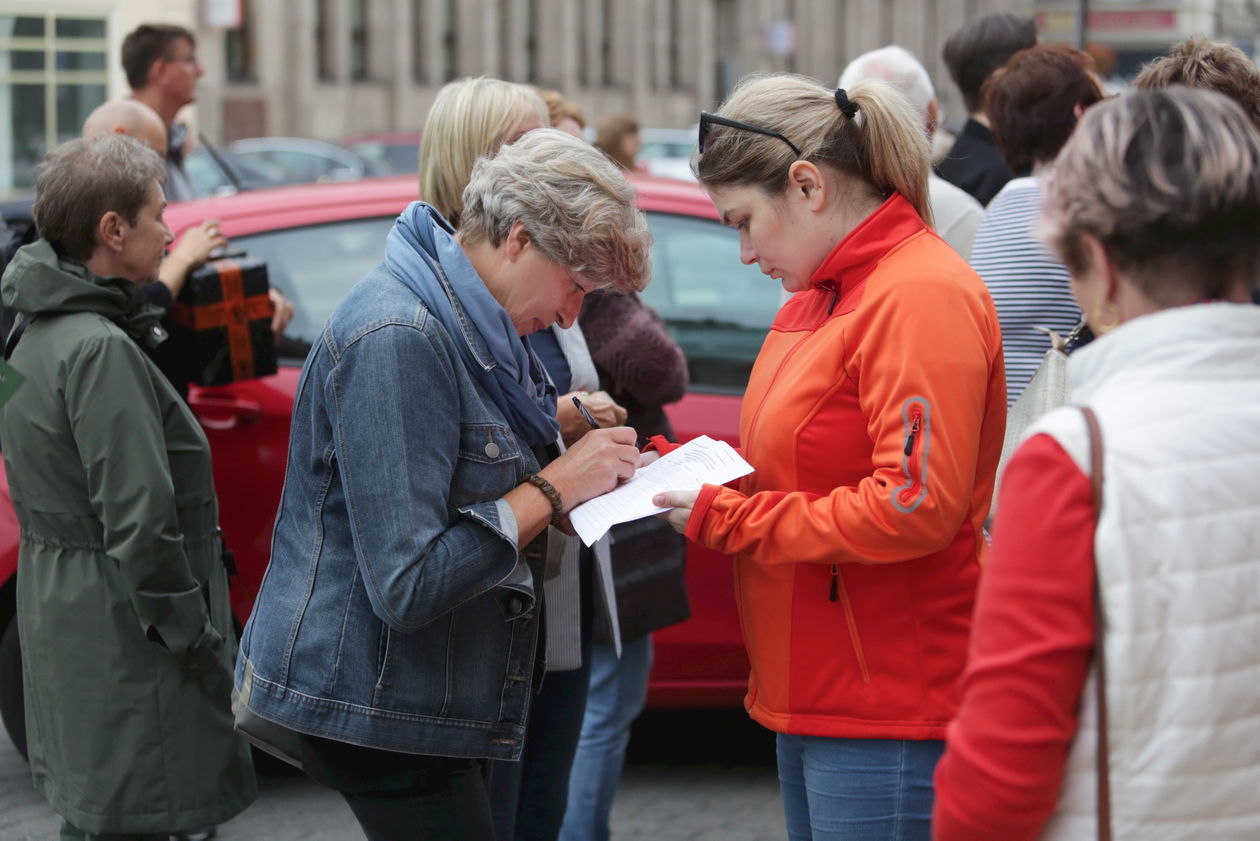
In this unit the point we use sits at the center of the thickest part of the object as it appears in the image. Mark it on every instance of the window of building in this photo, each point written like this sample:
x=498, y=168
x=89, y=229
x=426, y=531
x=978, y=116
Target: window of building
x=324, y=42
x=238, y=46
x=676, y=81
x=450, y=40
x=53, y=72
x=419, y=46
x=606, y=74
x=532, y=73
x=584, y=41
x=359, y=54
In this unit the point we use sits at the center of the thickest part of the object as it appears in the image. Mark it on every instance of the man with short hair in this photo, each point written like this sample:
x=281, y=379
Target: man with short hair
x=972, y=54
x=956, y=214
x=161, y=64
x=136, y=119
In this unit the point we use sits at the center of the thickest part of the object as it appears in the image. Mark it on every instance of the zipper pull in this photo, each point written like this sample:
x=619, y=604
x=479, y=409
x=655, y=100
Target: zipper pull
x=914, y=430
x=910, y=438
x=835, y=583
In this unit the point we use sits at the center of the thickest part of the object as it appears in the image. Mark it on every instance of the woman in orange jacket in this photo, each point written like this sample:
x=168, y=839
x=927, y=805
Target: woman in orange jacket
x=874, y=418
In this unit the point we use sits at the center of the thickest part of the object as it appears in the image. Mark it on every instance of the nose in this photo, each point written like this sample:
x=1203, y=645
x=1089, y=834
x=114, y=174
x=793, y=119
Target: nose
x=572, y=307
x=747, y=255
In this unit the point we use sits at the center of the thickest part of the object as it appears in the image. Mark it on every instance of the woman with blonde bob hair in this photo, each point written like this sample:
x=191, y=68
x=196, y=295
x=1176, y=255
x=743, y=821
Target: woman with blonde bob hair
x=395, y=634
x=1143, y=602
x=469, y=119
x=874, y=418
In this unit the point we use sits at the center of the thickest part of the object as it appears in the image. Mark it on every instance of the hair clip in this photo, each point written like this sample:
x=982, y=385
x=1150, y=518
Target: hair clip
x=848, y=108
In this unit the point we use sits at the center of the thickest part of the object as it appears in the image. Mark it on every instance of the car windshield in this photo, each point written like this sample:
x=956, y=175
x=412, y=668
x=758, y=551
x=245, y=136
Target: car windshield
x=314, y=267
x=716, y=307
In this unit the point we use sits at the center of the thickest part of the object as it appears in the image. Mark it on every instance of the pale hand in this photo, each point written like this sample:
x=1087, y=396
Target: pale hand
x=679, y=504
x=283, y=313
x=606, y=411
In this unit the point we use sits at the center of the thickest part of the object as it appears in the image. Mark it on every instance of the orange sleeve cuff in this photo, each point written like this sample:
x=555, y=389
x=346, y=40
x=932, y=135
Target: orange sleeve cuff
x=695, y=524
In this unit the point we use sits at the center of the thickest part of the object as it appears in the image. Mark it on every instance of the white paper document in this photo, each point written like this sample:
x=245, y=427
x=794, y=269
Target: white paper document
x=698, y=462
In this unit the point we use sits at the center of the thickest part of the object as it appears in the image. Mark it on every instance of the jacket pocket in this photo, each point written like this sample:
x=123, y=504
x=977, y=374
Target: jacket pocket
x=917, y=419
x=839, y=590
x=488, y=463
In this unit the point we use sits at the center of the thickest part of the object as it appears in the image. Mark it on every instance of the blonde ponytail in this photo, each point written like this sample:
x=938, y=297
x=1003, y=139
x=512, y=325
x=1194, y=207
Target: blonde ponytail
x=897, y=153
x=882, y=144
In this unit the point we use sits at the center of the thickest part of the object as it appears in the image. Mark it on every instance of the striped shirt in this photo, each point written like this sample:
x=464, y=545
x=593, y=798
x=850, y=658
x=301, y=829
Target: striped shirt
x=1028, y=283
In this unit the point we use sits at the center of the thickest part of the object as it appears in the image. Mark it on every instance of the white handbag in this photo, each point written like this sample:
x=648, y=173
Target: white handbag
x=1048, y=389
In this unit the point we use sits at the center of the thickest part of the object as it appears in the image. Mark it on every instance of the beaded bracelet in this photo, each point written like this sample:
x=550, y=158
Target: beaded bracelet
x=553, y=496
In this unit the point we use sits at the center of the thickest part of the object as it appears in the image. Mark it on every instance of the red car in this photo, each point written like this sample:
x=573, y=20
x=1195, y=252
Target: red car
x=318, y=240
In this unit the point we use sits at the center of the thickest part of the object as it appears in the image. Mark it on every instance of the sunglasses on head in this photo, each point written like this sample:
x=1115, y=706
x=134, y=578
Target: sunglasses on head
x=707, y=120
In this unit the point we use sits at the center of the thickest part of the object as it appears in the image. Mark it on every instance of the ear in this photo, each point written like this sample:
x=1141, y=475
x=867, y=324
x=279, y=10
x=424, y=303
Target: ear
x=1103, y=268
x=932, y=116
x=111, y=231
x=156, y=70
x=517, y=241
x=805, y=182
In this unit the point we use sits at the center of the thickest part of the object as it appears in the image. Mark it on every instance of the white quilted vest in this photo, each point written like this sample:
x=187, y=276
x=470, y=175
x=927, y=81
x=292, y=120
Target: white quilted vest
x=1177, y=394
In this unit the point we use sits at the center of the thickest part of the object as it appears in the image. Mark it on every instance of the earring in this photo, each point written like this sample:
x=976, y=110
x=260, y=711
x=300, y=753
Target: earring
x=1107, y=320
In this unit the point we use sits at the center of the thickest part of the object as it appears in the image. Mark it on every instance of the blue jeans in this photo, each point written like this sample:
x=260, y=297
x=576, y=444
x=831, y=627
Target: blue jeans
x=857, y=789
x=617, y=694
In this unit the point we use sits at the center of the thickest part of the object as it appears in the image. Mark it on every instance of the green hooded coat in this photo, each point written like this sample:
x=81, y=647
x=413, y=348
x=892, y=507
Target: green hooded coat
x=122, y=595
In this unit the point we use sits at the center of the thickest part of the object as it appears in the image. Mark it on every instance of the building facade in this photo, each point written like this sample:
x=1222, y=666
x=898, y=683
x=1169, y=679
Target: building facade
x=332, y=68
x=328, y=68
x=58, y=61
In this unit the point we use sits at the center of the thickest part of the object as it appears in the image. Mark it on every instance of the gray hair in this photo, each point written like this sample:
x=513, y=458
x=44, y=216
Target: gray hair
x=1169, y=182
x=898, y=67
x=576, y=206
x=81, y=180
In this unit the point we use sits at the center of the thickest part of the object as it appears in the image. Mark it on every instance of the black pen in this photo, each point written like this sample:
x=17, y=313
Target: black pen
x=585, y=413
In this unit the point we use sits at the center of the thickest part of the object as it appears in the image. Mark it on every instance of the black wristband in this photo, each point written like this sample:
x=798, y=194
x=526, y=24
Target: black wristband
x=553, y=496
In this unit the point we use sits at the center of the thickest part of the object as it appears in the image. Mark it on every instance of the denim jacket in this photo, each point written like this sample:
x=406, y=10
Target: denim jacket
x=396, y=612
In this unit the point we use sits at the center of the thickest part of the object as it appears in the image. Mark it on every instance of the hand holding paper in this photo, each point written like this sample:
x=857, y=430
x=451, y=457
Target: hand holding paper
x=700, y=461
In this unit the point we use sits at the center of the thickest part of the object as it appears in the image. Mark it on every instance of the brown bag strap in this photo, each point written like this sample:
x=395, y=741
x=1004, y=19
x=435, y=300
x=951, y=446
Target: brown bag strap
x=1100, y=657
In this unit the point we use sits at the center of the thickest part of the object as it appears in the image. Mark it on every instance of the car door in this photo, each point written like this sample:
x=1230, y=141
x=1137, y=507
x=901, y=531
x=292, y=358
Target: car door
x=719, y=311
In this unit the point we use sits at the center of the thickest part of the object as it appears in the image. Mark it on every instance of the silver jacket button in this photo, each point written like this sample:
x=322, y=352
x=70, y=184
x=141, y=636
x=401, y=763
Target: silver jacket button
x=492, y=450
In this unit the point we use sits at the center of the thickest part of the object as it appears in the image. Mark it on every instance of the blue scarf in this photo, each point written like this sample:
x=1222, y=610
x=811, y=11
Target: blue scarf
x=422, y=253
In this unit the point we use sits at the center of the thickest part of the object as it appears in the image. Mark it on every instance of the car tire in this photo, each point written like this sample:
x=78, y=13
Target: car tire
x=12, y=705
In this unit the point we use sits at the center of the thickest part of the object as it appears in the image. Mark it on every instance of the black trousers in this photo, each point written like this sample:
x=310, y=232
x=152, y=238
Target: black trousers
x=404, y=797
x=529, y=797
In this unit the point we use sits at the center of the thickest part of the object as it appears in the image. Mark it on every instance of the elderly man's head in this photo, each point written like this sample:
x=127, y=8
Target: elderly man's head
x=129, y=117
x=100, y=202
x=896, y=66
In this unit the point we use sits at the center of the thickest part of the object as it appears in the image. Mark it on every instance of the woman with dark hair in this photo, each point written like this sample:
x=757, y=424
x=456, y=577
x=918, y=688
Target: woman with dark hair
x=1033, y=104
x=1142, y=601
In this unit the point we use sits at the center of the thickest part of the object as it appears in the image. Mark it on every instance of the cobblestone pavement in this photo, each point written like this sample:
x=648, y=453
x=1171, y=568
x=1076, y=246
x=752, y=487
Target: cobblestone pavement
x=692, y=776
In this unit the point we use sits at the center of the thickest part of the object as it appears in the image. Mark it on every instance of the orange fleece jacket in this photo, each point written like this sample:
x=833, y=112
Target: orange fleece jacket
x=874, y=418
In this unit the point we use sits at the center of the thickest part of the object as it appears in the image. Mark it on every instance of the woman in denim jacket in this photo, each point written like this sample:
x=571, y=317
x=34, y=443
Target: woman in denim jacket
x=396, y=630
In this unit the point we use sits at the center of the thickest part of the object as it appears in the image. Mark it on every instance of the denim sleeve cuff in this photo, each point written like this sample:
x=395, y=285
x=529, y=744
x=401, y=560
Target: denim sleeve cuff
x=496, y=516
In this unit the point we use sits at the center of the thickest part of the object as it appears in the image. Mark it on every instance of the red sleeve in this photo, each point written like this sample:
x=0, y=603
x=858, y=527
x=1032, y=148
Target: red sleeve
x=660, y=444
x=1031, y=644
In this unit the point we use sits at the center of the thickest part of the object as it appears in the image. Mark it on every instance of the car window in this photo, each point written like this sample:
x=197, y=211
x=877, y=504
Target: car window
x=717, y=308
x=314, y=267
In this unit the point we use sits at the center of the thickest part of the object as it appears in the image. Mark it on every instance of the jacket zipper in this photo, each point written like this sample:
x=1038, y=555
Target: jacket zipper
x=909, y=496
x=838, y=589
